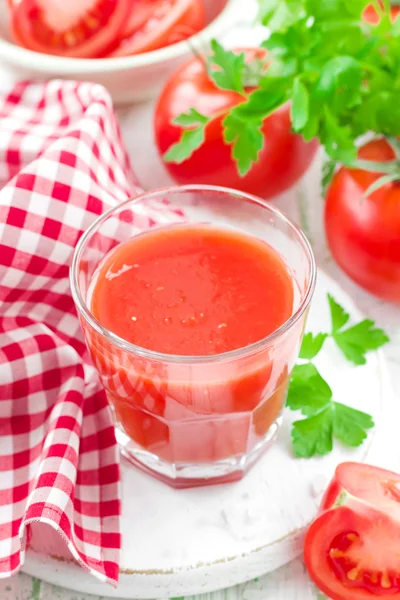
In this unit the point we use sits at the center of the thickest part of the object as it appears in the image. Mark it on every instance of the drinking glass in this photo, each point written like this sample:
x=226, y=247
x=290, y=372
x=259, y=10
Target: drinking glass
x=195, y=420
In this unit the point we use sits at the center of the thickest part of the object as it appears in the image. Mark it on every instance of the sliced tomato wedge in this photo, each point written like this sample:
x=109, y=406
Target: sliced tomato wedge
x=74, y=28
x=171, y=21
x=352, y=549
x=375, y=487
x=139, y=13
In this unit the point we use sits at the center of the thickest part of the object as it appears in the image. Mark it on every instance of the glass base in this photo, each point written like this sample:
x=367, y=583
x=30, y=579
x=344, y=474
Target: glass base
x=185, y=475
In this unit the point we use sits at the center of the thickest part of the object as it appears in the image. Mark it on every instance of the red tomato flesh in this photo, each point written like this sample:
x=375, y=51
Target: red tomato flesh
x=193, y=290
x=377, y=487
x=285, y=156
x=364, y=233
x=352, y=556
x=140, y=12
x=170, y=21
x=76, y=28
x=352, y=548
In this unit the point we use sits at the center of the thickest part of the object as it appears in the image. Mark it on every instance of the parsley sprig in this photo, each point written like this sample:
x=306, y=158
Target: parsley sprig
x=341, y=74
x=312, y=396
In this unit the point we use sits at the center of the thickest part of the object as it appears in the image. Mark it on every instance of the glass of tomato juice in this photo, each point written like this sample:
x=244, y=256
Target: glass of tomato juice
x=193, y=303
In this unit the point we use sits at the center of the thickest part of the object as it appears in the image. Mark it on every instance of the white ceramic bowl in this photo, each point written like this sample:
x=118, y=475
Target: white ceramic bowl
x=128, y=79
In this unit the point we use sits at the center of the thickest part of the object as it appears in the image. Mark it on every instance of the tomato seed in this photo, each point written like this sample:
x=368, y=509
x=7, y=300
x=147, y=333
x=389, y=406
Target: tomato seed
x=374, y=577
x=92, y=22
x=336, y=553
x=354, y=574
x=69, y=38
x=385, y=581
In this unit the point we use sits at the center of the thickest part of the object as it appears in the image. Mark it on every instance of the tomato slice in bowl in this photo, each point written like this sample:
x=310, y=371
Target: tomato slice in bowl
x=352, y=549
x=194, y=21
x=139, y=12
x=73, y=28
x=171, y=21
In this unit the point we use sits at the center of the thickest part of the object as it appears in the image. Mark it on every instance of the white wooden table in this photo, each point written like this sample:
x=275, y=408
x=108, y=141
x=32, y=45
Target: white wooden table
x=306, y=208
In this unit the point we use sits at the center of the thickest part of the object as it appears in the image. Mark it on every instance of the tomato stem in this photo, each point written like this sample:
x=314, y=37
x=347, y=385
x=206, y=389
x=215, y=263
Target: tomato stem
x=379, y=183
x=201, y=56
x=391, y=167
x=394, y=143
x=389, y=170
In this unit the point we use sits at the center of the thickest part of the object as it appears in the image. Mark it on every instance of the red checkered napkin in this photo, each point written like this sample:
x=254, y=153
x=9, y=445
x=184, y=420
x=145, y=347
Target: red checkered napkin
x=62, y=163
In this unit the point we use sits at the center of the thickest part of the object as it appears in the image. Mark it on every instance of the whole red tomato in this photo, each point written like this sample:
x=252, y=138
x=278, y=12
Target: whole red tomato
x=283, y=160
x=351, y=549
x=364, y=233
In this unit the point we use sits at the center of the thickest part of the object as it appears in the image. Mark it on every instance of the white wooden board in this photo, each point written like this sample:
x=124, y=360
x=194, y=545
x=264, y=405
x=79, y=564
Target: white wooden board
x=178, y=542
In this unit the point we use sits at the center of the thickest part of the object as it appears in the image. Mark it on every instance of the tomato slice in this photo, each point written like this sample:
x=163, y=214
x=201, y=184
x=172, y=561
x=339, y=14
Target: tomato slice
x=74, y=28
x=171, y=21
x=375, y=487
x=352, y=549
x=352, y=556
x=140, y=12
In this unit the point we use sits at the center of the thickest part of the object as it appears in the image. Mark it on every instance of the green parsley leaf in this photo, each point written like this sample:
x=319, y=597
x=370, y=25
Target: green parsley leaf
x=311, y=345
x=226, y=68
x=191, y=138
x=350, y=425
x=395, y=31
x=328, y=171
x=272, y=94
x=300, y=105
x=331, y=8
x=246, y=138
x=341, y=74
x=337, y=139
x=193, y=117
x=339, y=84
x=254, y=71
x=356, y=341
x=313, y=435
x=275, y=13
x=242, y=127
x=379, y=113
x=310, y=130
x=345, y=72
x=339, y=316
x=267, y=8
x=308, y=391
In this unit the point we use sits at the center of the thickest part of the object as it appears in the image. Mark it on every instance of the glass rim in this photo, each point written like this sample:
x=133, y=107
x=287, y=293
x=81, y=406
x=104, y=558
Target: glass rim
x=153, y=355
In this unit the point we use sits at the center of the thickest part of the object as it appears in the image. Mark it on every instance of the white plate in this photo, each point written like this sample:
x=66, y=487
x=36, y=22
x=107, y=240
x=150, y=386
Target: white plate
x=180, y=542
x=129, y=78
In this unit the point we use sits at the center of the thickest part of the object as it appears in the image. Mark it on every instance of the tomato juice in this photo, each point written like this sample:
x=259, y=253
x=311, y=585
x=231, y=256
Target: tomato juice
x=193, y=291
